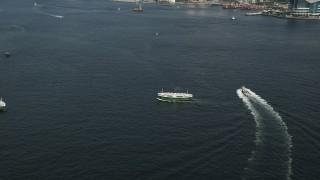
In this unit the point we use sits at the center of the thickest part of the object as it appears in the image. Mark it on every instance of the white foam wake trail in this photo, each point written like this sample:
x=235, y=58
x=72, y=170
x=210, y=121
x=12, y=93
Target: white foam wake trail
x=35, y=4
x=254, y=102
x=56, y=16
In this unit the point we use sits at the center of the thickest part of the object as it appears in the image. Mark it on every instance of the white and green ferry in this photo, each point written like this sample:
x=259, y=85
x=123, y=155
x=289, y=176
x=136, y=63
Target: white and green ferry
x=174, y=97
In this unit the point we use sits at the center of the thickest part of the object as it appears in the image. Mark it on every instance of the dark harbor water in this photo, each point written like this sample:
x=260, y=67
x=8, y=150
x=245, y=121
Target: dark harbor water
x=81, y=93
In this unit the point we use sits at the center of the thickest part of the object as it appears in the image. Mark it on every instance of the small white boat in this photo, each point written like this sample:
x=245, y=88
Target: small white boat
x=7, y=54
x=245, y=91
x=2, y=105
x=60, y=17
x=233, y=18
x=174, y=97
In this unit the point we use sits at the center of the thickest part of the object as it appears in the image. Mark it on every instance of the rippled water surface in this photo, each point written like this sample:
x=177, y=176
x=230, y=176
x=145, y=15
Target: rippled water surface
x=82, y=81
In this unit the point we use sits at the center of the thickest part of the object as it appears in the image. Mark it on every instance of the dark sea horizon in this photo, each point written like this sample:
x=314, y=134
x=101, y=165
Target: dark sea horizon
x=82, y=82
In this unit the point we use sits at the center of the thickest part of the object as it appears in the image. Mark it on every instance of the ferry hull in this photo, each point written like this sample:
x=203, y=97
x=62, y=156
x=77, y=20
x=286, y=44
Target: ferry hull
x=169, y=99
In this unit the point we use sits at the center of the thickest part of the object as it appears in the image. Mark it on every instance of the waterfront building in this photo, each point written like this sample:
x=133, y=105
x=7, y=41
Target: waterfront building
x=305, y=7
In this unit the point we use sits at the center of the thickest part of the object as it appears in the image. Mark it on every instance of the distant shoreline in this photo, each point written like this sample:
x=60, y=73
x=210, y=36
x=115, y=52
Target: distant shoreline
x=287, y=15
x=297, y=17
x=272, y=13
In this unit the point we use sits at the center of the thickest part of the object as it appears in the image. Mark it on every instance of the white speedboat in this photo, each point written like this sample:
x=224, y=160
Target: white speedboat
x=245, y=91
x=174, y=97
x=2, y=105
x=233, y=18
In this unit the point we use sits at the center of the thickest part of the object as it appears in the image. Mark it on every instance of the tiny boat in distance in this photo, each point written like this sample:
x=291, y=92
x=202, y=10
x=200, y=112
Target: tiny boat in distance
x=253, y=14
x=7, y=54
x=233, y=18
x=245, y=91
x=174, y=97
x=138, y=9
x=2, y=105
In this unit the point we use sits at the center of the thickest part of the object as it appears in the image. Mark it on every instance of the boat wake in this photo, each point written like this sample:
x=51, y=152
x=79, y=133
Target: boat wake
x=47, y=14
x=11, y=29
x=271, y=157
x=56, y=16
x=36, y=4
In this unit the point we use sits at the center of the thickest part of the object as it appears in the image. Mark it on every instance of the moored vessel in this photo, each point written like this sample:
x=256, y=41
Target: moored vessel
x=253, y=14
x=215, y=4
x=165, y=3
x=174, y=97
x=138, y=8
